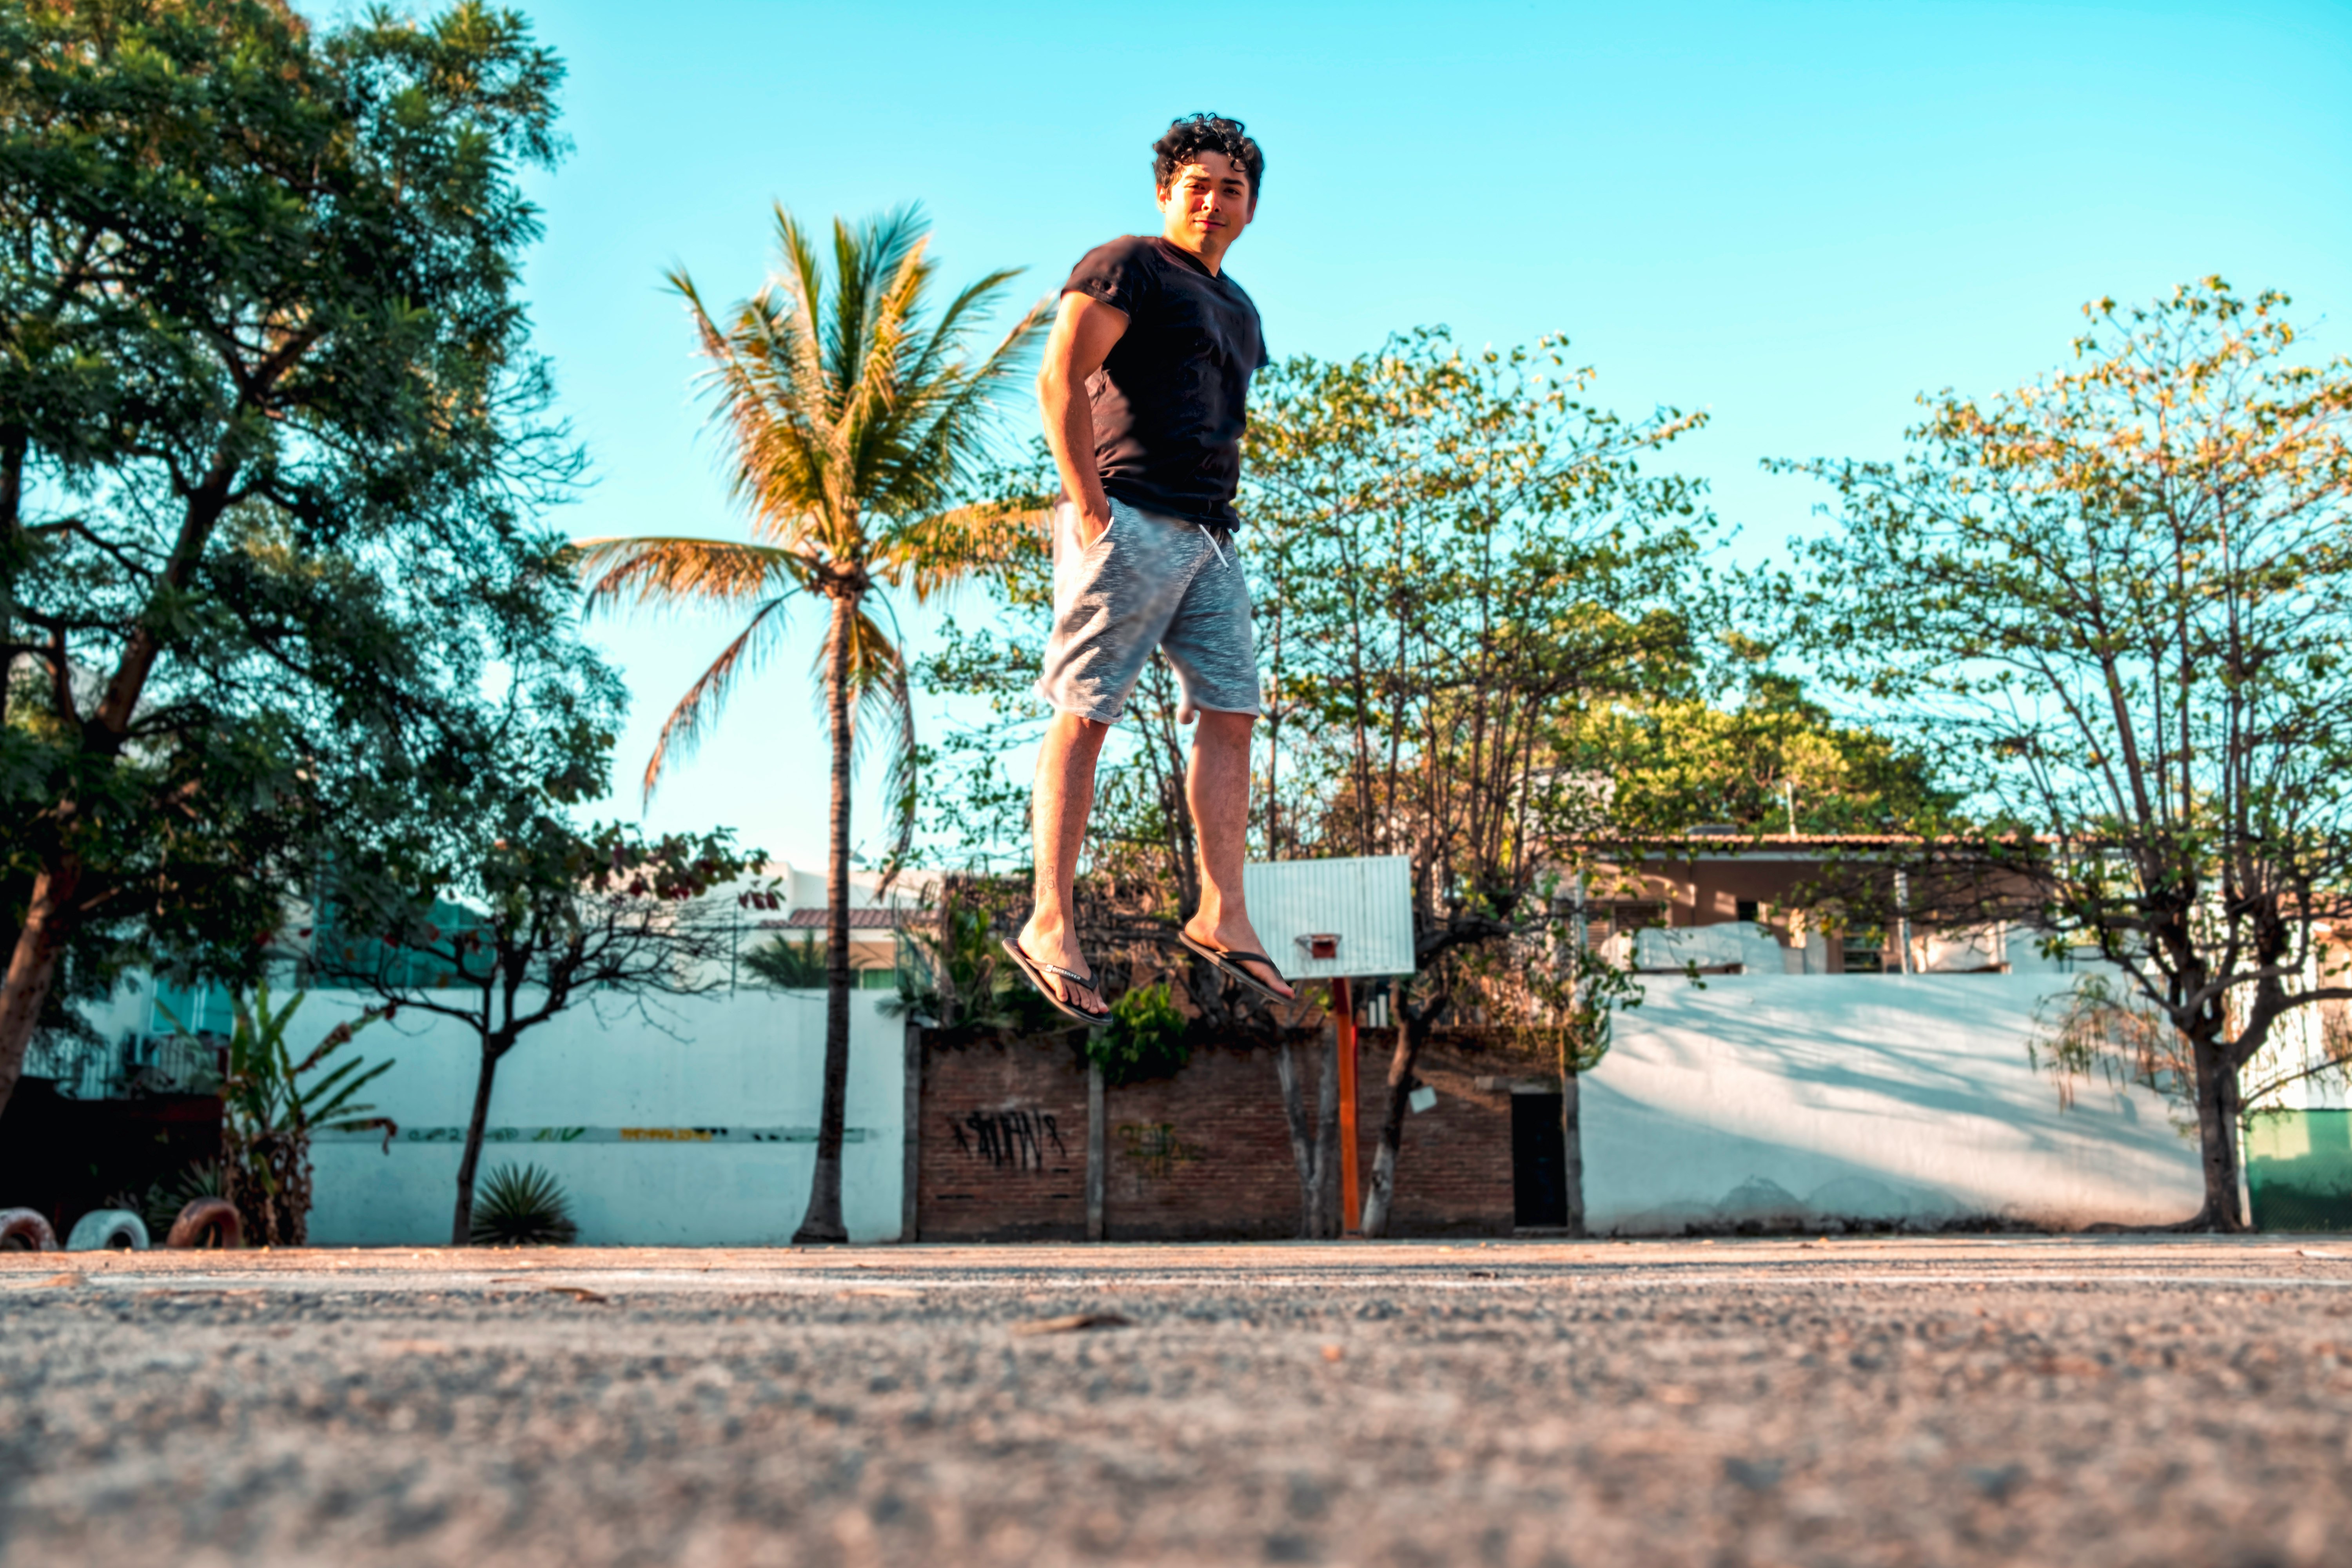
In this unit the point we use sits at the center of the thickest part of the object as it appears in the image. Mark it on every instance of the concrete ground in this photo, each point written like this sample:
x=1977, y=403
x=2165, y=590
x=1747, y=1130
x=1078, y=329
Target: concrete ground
x=2049, y=1400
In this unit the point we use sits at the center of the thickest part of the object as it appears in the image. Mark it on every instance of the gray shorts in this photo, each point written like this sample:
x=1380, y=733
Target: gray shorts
x=1150, y=581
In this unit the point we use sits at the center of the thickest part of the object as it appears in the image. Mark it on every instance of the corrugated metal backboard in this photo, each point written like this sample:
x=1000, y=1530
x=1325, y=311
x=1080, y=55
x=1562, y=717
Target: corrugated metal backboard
x=1366, y=902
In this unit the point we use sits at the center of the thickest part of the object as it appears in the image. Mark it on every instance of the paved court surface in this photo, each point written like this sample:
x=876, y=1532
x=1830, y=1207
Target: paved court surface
x=2062, y=1401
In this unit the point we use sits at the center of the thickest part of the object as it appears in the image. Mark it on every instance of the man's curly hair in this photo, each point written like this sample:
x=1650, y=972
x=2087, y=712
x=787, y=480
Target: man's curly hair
x=1197, y=134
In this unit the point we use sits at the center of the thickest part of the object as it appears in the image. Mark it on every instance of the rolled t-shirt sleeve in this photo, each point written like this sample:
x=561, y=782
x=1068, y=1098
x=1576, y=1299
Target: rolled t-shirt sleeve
x=1115, y=274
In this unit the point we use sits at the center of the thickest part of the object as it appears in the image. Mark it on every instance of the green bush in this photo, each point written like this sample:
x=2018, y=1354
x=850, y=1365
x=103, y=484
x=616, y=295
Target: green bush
x=522, y=1205
x=784, y=966
x=1147, y=1037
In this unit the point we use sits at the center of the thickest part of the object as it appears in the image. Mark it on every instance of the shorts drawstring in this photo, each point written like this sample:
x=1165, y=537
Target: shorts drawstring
x=1211, y=534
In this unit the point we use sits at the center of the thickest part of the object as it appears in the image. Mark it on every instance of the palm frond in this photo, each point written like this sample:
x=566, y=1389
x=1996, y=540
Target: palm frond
x=952, y=427
x=695, y=711
x=766, y=374
x=875, y=412
x=655, y=571
x=804, y=279
x=871, y=262
x=946, y=335
x=933, y=552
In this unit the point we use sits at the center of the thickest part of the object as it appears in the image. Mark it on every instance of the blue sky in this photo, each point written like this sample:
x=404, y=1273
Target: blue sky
x=1794, y=215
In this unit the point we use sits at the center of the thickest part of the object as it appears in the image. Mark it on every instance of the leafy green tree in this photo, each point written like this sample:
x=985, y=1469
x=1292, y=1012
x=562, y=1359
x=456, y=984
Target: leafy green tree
x=855, y=419
x=269, y=457
x=520, y=916
x=1462, y=560
x=2115, y=605
x=1456, y=562
x=1762, y=758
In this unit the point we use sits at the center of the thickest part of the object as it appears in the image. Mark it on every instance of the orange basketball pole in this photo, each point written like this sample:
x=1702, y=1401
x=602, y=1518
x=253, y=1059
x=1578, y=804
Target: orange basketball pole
x=1343, y=1014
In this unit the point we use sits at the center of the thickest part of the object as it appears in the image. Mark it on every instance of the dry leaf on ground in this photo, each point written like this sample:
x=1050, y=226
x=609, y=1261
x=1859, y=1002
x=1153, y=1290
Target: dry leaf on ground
x=1072, y=1323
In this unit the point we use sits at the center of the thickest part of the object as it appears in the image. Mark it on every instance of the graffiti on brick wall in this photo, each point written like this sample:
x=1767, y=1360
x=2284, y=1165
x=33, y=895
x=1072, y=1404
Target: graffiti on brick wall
x=1005, y=1137
x=1155, y=1147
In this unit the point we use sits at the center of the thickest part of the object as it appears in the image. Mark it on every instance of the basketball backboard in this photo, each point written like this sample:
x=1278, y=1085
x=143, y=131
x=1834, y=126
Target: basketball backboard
x=1324, y=919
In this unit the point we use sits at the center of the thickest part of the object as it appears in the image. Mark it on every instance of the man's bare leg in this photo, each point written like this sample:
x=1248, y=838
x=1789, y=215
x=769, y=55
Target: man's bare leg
x=1057, y=814
x=1218, y=787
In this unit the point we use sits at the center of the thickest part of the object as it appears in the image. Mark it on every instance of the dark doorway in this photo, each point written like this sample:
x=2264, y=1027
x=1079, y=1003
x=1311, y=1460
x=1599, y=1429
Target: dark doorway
x=1539, y=1162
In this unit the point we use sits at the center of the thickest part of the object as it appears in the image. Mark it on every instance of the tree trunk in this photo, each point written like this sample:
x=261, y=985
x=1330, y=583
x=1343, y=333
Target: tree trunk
x=268, y=1180
x=2219, y=1112
x=461, y=1227
x=1571, y=1144
x=1380, y=1193
x=1315, y=1149
x=49, y=918
x=822, y=1224
x=12, y=560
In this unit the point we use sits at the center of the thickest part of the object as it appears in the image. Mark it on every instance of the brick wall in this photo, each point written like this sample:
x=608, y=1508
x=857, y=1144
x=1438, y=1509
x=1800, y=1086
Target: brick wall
x=1203, y=1155
x=1003, y=1143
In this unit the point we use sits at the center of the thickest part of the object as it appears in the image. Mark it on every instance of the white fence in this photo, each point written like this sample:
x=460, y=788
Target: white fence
x=1785, y=1099
x=701, y=1134
x=1797, y=1099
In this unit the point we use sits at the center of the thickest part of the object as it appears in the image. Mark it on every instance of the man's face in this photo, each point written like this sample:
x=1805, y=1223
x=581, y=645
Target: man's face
x=1208, y=202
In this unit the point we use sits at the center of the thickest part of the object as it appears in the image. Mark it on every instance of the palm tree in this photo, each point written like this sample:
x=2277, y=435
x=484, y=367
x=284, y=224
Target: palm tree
x=853, y=424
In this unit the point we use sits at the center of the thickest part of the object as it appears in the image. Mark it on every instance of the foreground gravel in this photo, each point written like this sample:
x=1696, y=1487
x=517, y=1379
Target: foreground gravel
x=2078, y=1402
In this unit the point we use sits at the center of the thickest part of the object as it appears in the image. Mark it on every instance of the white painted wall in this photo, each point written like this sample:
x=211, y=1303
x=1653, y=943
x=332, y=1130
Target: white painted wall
x=1807, y=1098
x=737, y=1066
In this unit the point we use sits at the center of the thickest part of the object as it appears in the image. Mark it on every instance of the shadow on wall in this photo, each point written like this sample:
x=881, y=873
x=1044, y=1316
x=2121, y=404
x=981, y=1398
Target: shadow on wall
x=1873, y=1102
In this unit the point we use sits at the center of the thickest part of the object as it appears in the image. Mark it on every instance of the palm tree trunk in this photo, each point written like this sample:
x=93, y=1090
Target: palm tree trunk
x=823, y=1223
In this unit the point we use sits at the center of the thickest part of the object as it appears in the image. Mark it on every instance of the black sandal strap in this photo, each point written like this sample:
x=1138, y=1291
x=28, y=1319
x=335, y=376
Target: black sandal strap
x=1032, y=968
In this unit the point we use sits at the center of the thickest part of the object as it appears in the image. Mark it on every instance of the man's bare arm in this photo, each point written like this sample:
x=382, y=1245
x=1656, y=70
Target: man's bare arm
x=1084, y=330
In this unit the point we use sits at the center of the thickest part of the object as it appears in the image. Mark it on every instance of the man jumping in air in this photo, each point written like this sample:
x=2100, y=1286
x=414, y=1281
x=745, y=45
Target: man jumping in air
x=1145, y=377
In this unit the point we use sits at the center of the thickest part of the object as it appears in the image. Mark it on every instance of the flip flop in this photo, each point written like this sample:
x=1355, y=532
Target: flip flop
x=1228, y=961
x=1036, y=970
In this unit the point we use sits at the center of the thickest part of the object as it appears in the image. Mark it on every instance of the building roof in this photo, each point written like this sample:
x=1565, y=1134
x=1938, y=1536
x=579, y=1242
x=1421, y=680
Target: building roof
x=859, y=919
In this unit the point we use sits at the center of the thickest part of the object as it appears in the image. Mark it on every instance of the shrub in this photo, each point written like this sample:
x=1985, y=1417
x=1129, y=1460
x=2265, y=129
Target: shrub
x=784, y=966
x=1147, y=1037
x=272, y=1103
x=522, y=1205
x=164, y=1200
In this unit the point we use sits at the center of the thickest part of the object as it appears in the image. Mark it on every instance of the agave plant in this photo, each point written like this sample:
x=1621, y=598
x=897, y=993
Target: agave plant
x=522, y=1205
x=164, y=1201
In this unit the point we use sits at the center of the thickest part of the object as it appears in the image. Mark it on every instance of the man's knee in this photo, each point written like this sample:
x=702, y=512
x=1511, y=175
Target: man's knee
x=1221, y=728
x=1078, y=731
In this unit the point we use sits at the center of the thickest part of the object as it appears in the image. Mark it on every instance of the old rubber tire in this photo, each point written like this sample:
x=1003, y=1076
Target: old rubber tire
x=207, y=1222
x=110, y=1230
x=24, y=1230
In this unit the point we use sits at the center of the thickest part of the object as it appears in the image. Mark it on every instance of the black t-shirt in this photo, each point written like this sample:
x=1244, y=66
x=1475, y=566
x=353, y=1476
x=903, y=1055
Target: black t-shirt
x=1169, y=402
